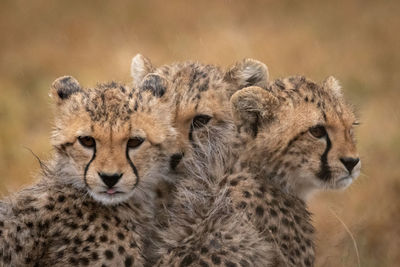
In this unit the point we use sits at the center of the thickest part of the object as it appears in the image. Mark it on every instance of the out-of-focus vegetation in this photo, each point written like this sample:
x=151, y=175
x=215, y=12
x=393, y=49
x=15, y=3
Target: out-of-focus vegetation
x=356, y=41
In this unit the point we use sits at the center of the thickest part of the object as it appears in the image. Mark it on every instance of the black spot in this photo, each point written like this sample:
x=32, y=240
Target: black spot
x=260, y=211
x=109, y=254
x=84, y=261
x=95, y=256
x=128, y=261
x=242, y=205
x=273, y=212
x=77, y=240
x=61, y=198
x=73, y=261
x=234, y=182
x=79, y=214
x=120, y=236
x=105, y=226
x=285, y=221
x=49, y=207
x=246, y=194
x=203, y=263
x=215, y=259
x=188, y=259
x=273, y=228
x=18, y=248
x=91, y=238
x=203, y=250
x=230, y=264
x=103, y=238
x=92, y=217
x=121, y=250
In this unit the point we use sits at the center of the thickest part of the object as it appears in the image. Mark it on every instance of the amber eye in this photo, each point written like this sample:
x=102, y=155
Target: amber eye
x=135, y=142
x=200, y=121
x=318, y=131
x=87, y=141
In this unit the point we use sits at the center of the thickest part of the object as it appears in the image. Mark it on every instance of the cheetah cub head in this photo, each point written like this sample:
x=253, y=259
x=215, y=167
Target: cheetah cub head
x=299, y=134
x=202, y=114
x=111, y=140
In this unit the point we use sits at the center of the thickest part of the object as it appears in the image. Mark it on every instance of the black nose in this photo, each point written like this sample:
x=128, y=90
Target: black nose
x=349, y=163
x=110, y=179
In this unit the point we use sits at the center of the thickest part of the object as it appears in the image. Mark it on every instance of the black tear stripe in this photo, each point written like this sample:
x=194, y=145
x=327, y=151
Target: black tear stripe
x=191, y=133
x=325, y=172
x=87, y=166
x=254, y=126
x=175, y=159
x=132, y=166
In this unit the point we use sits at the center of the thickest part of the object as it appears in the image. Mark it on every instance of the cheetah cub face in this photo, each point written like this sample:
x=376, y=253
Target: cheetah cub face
x=202, y=114
x=301, y=134
x=111, y=140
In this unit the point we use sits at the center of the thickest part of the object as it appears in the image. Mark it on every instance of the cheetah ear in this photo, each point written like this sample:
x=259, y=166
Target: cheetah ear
x=154, y=83
x=248, y=72
x=332, y=84
x=140, y=67
x=63, y=87
x=254, y=106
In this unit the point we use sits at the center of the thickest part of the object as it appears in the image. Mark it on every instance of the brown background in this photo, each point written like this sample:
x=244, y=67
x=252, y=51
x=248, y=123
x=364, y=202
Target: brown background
x=356, y=41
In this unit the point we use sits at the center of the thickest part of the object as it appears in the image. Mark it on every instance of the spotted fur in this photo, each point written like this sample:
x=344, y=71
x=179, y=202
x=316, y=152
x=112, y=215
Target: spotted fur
x=274, y=209
x=74, y=215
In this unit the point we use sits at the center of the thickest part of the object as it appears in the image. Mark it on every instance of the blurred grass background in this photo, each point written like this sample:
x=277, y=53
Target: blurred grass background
x=356, y=41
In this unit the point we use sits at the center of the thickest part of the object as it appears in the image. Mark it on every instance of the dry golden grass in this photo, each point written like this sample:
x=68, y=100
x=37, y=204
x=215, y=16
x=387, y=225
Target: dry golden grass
x=356, y=41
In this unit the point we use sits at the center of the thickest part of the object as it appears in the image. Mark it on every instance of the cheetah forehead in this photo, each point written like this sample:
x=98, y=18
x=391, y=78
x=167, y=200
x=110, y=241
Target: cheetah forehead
x=326, y=99
x=109, y=103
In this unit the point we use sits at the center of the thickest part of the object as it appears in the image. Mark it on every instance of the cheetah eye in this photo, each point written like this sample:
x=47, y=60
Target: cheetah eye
x=135, y=142
x=200, y=120
x=87, y=141
x=318, y=131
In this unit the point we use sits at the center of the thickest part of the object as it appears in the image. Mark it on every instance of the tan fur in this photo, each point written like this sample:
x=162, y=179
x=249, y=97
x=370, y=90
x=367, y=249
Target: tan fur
x=70, y=217
x=289, y=155
x=283, y=219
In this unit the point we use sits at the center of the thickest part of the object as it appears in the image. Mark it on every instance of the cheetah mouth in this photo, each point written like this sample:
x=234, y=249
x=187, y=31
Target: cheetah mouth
x=111, y=192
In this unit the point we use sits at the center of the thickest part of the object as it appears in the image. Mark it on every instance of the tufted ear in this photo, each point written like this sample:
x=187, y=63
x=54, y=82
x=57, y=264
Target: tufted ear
x=140, y=67
x=332, y=84
x=248, y=72
x=253, y=106
x=63, y=87
x=154, y=83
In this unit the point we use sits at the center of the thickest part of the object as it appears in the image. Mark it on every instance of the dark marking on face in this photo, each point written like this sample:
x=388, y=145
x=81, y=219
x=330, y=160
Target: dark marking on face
x=155, y=85
x=325, y=172
x=132, y=166
x=87, y=166
x=254, y=126
x=175, y=159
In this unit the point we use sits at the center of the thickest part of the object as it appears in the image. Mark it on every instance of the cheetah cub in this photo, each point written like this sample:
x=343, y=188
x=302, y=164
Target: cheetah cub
x=293, y=138
x=91, y=205
x=203, y=228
